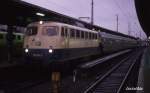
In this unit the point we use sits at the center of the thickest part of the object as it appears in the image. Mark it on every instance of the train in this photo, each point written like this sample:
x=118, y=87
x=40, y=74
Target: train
x=17, y=44
x=50, y=41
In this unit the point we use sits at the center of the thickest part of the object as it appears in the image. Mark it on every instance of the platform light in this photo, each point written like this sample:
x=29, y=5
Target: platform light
x=26, y=50
x=40, y=14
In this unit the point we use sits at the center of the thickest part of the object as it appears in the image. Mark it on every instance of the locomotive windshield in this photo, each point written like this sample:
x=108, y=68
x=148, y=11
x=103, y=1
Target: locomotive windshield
x=31, y=31
x=50, y=31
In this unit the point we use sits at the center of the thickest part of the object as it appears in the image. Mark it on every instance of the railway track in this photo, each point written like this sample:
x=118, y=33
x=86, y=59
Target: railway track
x=17, y=79
x=115, y=78
x=86, y=76
x=68, y=85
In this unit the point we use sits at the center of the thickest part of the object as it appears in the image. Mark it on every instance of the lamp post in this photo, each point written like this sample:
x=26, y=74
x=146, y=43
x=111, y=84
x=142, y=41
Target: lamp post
x=117, y=22
x=92, y=12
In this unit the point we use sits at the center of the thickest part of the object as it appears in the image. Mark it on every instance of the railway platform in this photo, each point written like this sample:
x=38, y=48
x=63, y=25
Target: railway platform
x=7, y=64
x=144, y=73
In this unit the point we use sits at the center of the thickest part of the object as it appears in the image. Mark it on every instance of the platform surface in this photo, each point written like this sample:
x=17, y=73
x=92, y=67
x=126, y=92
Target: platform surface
x=147, y=71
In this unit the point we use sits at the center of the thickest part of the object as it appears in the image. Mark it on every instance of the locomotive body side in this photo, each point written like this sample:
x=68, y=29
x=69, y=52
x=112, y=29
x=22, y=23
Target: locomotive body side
x=53, y=41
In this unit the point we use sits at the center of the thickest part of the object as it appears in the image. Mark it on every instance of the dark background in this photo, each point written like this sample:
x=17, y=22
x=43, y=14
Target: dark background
x=143, y=12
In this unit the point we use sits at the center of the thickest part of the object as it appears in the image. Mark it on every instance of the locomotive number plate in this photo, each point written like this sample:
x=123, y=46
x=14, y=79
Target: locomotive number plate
x=37, y=55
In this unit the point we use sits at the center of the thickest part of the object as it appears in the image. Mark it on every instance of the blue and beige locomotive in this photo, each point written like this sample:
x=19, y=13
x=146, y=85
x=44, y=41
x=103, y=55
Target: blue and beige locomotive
x=54, y=41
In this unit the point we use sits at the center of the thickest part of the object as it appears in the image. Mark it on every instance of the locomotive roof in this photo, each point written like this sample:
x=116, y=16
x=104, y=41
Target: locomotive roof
x=102, y=29
x=63, y=24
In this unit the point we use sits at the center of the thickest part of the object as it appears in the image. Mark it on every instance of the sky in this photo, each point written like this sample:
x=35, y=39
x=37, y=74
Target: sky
x=105, y=13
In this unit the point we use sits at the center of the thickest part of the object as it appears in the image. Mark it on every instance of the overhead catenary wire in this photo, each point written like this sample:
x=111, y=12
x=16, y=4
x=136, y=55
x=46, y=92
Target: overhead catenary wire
x=128, y=17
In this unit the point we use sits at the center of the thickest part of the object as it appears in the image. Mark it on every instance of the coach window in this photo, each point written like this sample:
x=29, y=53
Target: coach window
x=78, y=33
x=72, y=33
x=82, y=34
x=86, y=35
x=66, y=32
x=1, y=36
x=90, y=35
x=93, y=35
x=96, y=36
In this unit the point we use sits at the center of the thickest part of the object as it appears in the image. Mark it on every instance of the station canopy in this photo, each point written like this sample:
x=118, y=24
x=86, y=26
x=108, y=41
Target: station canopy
x=20, y=13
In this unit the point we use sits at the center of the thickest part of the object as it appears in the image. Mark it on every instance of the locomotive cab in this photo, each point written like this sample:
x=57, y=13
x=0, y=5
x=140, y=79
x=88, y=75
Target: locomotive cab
x=40, y=40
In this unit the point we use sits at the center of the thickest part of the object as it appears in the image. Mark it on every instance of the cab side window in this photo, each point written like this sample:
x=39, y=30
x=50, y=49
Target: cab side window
x=62, y=31
x=66, y=32
x=72, y=33
x=82, y=34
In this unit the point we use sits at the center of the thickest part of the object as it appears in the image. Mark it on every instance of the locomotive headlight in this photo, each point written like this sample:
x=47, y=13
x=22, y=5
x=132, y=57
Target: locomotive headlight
x=50, y=50
x=26, y=50
x=41, y=22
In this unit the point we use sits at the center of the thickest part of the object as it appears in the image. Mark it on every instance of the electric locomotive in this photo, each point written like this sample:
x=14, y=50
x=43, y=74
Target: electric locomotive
x=49, y=41
x=53, y=41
